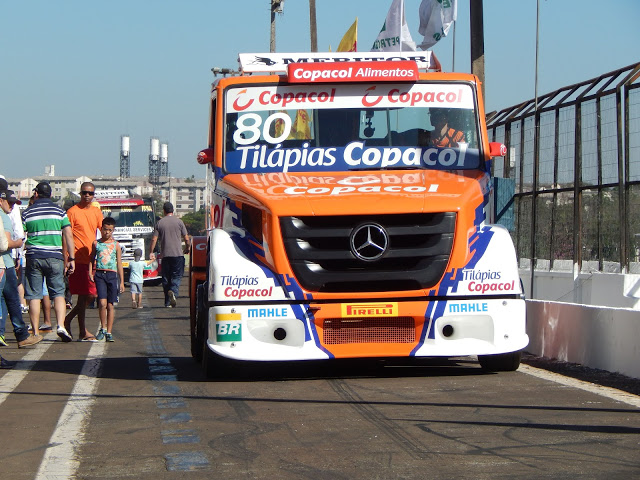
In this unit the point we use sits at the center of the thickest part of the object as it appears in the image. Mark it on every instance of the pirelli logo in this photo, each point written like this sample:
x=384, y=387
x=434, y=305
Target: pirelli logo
x=382, y=309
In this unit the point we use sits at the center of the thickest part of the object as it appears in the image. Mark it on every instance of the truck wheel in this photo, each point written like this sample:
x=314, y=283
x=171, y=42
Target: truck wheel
x=504, y=362
x=213, y=365
x=202, y=312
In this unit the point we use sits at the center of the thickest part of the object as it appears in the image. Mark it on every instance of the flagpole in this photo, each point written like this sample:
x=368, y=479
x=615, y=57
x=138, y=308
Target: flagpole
x=453, y=59
x=401, y=19
x=537, y=48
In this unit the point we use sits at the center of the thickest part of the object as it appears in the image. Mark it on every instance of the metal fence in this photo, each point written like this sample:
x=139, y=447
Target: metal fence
x=575, y=161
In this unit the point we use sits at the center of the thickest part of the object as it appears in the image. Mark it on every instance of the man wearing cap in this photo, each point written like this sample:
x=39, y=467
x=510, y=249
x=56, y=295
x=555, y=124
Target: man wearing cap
x=85, y=219
x=4, y=244
x=10, y=299
x=170, y=230
x=48, y=232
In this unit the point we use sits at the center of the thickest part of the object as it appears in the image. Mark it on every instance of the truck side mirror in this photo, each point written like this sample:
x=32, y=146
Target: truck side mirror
x=497, y=149
x=205, y=156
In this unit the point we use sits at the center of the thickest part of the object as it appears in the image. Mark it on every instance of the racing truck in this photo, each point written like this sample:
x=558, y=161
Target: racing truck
x=135, y=222
x=345, y=220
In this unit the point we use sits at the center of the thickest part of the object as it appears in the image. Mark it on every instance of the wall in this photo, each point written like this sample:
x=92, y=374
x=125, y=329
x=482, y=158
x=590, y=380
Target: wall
x=599, y=289
x=598, y=337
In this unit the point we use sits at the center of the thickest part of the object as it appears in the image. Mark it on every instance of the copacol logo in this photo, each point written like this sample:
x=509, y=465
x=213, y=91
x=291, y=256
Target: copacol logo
x=369, y=242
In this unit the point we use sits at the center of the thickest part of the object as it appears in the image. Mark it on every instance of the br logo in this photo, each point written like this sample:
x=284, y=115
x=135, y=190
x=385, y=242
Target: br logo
x=228, y=331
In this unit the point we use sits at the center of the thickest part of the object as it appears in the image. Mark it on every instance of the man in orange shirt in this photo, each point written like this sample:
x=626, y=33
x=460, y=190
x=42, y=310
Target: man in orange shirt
x=442, y=135
x=86, y=220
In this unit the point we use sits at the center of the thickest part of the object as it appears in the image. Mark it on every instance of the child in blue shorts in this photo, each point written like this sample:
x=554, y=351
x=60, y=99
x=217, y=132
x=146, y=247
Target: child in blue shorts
x=136, y=278
x=107, y=260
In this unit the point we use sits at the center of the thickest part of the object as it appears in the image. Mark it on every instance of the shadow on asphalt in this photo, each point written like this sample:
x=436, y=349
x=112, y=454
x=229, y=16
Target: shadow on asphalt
x=188, y=370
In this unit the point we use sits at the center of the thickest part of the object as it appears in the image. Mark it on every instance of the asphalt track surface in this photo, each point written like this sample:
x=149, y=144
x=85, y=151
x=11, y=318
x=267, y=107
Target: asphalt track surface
x=141, y=408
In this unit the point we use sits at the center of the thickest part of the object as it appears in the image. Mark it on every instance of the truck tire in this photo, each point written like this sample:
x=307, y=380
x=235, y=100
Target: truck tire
x=213, y=365
x=503, y=362
x=202, y=312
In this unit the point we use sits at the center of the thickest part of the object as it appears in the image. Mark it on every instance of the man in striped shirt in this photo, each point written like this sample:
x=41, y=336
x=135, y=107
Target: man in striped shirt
x=48, y=232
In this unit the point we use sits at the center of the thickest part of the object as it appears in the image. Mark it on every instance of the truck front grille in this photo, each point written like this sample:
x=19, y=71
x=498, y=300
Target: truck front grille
x=339, y=331
x=323, y=259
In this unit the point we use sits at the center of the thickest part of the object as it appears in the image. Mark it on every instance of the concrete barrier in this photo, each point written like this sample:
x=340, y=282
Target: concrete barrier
x=598, y=337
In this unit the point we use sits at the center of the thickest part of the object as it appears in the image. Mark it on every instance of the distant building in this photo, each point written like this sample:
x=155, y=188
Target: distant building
x=186, y=195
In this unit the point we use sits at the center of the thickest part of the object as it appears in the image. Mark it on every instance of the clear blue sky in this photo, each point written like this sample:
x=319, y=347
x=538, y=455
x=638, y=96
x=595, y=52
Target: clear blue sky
x=76, y=74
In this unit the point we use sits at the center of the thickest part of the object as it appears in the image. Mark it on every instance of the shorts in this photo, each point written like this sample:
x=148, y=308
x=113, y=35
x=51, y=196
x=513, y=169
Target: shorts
x=49, y=269
x=107, y=285
x=136, y=287
x=80, y=283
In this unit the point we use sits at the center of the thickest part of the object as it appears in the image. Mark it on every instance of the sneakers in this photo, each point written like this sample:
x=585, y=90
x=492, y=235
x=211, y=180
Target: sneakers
x=108, y=337
x=134, y=304
x=172, y=298
x=30, y=340
x=63, y=334
x=100, y=334
x=6, y=364
x=3, y=342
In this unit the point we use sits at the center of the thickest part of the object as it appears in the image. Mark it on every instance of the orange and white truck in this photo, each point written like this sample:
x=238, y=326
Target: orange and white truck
x=346, y=220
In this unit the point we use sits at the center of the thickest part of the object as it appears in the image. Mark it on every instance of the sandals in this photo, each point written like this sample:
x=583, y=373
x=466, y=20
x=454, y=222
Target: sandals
x=90, y=338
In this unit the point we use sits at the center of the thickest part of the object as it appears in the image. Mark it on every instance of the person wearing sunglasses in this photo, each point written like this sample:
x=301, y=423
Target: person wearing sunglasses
x=86, y=220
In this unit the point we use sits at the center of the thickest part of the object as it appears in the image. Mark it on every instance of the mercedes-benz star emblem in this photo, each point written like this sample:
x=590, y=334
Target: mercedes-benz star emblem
x=369, y=242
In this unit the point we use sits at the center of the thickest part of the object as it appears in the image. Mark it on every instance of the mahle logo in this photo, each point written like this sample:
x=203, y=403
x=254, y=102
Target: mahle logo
x=228, y=327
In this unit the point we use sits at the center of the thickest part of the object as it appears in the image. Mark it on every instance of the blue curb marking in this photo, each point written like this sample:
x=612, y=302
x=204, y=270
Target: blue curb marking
x=159, y=361
x=162, y=372
x=180, y=436
x=164, y=378
x=177, y=417
x=154, y=369
x=186, y=461
x=170, y=402
x=165, y=389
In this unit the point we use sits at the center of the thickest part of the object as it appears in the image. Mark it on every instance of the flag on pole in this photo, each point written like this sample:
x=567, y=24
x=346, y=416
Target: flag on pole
x=436, y=18
x=395, y=35
x=349, y=42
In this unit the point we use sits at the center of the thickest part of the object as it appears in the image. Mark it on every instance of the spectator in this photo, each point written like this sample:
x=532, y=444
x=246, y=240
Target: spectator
x=442, y=136
x=170, y=230
x=4, y=244
x=46, y=301
x=85, y=220
x=10, y=298
x=136, y=278
x=107, y=256
x=48, y=233
x=18, y=253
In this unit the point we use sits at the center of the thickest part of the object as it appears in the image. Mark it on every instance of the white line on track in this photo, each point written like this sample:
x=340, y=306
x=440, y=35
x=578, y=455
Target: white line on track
x=12, y=378
x=611, y=393
x=61, y=456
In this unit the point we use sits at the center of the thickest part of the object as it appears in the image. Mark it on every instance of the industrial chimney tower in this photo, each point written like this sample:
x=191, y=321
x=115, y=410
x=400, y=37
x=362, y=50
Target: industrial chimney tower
x=125, y=164
x=154, y=161
x=164, y=159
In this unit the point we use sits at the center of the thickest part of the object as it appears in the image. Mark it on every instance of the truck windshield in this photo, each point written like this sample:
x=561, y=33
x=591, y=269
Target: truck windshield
x=351, y=127
x=141, y=216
